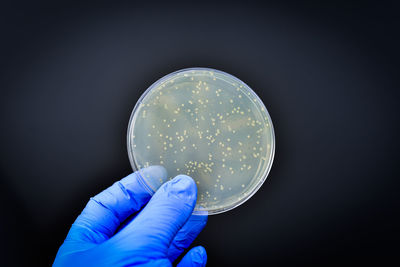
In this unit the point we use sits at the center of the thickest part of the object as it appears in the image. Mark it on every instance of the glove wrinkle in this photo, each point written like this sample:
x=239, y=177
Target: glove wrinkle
x=107, y=208
x=125, y=191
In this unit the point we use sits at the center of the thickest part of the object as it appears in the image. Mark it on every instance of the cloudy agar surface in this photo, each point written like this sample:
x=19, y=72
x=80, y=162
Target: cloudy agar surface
x=206, y=124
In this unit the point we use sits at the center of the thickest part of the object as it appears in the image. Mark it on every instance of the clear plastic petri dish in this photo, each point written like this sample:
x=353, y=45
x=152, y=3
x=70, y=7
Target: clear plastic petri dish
x=209, y=125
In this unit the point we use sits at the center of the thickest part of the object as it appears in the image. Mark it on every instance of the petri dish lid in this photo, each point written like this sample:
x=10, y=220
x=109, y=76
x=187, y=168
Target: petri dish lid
x=209, y=125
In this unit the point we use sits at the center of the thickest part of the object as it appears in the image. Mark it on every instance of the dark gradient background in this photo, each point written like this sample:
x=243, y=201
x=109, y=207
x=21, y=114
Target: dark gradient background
x=328, y=74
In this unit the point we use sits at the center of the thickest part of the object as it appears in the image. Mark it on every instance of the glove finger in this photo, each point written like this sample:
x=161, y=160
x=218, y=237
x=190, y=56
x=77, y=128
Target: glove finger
x=107, y=210
x=154, y=228
x=186, y=235
x=196, y=257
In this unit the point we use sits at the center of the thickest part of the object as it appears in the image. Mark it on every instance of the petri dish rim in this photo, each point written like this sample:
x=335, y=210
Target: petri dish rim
x=260, y=102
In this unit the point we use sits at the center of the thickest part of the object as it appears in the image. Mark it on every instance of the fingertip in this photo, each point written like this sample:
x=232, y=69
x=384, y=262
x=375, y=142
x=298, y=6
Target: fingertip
x=183, y=187
x=202, y=255
x=185, y=179
x=197, y=256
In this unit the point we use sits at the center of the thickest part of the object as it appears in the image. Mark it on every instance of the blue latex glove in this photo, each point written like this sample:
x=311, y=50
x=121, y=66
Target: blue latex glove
x=114, y=230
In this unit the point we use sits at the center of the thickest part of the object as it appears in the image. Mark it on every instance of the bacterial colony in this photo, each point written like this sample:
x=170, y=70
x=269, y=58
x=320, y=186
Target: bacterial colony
x=209, y=125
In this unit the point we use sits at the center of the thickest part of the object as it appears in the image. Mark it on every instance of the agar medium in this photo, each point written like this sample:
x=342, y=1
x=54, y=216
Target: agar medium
x=206, y=124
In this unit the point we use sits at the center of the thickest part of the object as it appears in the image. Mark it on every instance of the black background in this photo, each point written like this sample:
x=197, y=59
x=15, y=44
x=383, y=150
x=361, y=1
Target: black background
x=327, y=72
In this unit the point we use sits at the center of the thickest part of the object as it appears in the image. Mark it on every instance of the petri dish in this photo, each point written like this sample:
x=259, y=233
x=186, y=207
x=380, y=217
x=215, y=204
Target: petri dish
x=209, y=125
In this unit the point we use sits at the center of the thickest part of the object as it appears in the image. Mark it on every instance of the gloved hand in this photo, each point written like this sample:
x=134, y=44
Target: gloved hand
x=114, y=230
